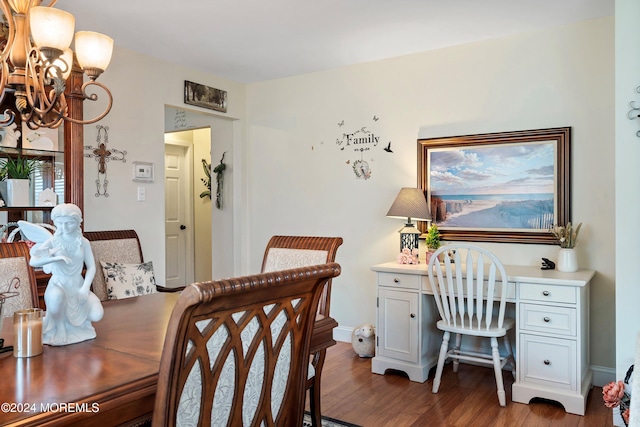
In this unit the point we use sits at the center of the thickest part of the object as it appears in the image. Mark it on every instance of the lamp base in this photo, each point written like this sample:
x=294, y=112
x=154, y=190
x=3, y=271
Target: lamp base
x=409, y=237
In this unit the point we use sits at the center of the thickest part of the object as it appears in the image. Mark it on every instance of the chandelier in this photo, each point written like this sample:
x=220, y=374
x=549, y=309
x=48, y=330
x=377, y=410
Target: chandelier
x=36, y=61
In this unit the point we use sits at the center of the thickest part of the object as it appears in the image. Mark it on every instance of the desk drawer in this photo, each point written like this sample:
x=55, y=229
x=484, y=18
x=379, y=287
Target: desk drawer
x=395, y=280
x=548, y=319
x=547, y=293
x=547, y=361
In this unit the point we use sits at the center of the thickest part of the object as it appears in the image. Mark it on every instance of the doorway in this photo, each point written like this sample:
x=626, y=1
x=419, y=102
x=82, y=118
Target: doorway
x=188, y=245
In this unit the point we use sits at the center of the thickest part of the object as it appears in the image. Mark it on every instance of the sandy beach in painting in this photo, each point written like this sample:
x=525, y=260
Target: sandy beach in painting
x=496, y=213
x=471, y=206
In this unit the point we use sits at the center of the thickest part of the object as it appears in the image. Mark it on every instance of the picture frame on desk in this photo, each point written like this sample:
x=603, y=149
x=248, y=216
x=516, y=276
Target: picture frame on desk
x=508, y=187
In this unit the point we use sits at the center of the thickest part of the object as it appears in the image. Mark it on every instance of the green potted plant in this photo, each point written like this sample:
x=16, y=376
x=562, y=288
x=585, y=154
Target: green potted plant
x=432, y=240
x=18, y=168
x=14, y=179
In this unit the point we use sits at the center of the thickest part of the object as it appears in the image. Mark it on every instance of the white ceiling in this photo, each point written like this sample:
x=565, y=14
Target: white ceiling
x=256, y=40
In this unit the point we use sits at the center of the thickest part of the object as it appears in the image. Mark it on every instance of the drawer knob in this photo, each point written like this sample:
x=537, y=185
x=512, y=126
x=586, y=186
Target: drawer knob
x=547, y=319
x=547, y=362
x=413, y=315
x=396, y=280
x=545, y=293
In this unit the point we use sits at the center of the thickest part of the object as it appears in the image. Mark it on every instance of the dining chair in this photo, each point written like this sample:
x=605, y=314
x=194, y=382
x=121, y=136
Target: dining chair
x=236, y=350
x=121, y=271
x=284, y=252
x=122, y=246
x=469, y=287
x=17, y=278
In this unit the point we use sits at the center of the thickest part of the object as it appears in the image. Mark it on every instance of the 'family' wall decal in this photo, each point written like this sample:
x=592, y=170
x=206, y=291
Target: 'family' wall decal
x=362, y=139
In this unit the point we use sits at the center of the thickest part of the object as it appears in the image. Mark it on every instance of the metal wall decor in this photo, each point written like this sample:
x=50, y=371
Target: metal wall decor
x=219, y=171
x=634, y=113
x=102, y=155
x=206, y=166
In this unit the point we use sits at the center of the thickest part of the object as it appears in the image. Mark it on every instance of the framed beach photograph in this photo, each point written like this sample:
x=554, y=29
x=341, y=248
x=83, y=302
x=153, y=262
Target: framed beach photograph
x=205, y=96
x=497, y=187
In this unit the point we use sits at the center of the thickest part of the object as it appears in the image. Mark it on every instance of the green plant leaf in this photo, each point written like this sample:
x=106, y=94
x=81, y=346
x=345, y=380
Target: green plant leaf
x=18, y=168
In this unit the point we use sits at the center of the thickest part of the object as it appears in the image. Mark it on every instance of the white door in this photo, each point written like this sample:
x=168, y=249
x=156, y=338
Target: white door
x=178, y=217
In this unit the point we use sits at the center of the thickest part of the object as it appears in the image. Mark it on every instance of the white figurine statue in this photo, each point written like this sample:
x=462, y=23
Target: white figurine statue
x=71, y=306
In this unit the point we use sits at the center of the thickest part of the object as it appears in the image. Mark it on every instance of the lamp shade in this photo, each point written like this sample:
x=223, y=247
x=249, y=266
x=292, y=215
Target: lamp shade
x=93, y=50
x=51, y=28
x=410, y=203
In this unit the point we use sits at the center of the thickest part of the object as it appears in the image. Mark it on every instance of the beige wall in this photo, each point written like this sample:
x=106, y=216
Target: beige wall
x=142, y=87
x=202, y=206
x=300, y=183
x=286, y=174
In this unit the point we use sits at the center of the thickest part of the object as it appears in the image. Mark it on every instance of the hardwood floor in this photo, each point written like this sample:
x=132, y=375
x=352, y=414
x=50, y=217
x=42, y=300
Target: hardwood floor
x=350, y=392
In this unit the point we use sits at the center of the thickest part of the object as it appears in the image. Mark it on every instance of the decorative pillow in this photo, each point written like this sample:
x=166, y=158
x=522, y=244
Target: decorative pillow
x=128, y=280
x=117, y=250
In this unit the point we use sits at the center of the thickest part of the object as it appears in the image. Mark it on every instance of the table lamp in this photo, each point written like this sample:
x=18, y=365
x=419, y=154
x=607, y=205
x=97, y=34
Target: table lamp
x=411, y=204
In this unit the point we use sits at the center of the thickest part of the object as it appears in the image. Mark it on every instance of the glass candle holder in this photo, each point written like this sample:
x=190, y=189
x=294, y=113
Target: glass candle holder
x=27, y=328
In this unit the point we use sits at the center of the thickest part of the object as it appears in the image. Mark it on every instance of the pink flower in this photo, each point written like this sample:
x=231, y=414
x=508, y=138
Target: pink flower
x=625, y=415
x=612, y=393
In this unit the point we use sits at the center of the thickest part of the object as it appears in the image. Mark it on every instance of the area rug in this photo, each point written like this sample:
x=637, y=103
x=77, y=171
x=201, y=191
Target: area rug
x=326, y=422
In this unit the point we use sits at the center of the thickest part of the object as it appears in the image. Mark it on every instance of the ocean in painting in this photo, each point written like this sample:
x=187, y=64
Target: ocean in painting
x=523, y=211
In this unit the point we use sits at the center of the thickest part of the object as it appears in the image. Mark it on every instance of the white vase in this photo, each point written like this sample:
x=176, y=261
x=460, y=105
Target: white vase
x=15, y=192
x=567, y=260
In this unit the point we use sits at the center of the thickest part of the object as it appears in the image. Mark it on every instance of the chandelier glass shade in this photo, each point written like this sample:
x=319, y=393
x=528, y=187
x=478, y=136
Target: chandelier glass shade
x=36, y=60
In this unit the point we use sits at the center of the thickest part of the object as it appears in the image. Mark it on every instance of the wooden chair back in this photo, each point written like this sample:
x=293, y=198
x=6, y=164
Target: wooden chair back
x=466, y=286
x=121, y=246
x=17, y=276
x=237, y=350
x=284, y=252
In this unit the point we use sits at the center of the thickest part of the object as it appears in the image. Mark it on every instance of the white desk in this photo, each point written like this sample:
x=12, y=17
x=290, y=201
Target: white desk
x=552, y=330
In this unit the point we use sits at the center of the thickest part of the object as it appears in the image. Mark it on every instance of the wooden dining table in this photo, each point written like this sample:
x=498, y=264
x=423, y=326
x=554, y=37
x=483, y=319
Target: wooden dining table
x=107, y=381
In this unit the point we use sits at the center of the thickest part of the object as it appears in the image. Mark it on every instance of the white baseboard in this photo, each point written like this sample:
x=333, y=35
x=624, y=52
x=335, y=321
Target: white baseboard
x=602, y=375
x=342, y=333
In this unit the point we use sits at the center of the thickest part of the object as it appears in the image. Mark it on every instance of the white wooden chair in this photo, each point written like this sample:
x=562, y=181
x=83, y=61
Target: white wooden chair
x=468, y=289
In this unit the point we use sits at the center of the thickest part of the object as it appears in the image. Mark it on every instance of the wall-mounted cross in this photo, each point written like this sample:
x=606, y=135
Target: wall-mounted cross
x=102, y=155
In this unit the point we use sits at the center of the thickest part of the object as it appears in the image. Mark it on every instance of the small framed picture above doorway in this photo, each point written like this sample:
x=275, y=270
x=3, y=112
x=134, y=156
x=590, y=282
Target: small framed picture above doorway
x=205, y=96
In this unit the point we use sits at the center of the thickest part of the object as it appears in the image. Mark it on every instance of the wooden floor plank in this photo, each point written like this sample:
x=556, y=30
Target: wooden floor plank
x=350, y=392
